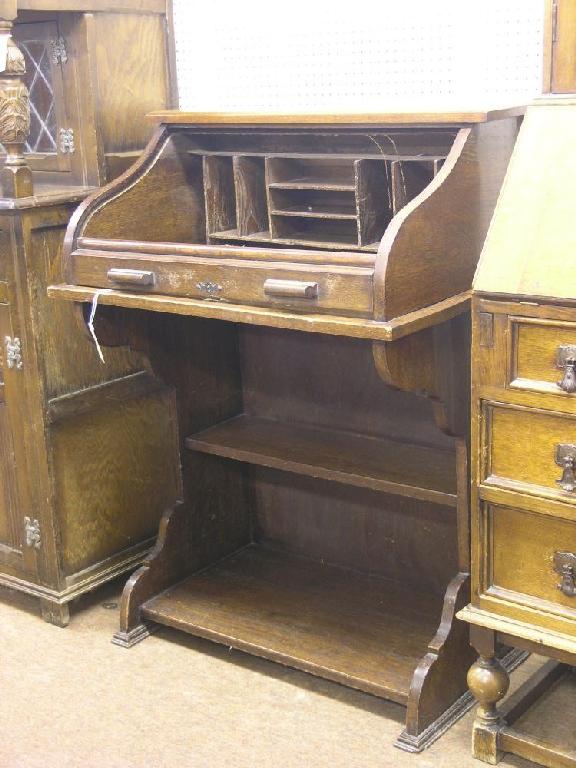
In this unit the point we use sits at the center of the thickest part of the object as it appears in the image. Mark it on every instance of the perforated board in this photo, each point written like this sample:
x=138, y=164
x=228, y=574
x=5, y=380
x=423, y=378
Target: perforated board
x=360, y=56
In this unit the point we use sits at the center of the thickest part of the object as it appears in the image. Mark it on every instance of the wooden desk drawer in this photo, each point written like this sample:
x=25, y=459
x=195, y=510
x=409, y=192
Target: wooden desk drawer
x=524, y=449
x=541, y=352
x=335, y=289
x=530, y=556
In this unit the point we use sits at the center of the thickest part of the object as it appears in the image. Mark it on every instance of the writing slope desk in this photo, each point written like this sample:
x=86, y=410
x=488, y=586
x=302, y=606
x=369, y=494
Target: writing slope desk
x=302, y=284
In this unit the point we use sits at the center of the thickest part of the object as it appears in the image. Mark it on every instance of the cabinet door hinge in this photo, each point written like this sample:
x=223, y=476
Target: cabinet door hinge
x=13, y=352
x=59, y=52
x=32, y=531
x=554, y=22
x=67, y=141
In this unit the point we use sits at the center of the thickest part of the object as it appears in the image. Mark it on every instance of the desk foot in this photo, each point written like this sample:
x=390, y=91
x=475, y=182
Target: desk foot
x=418, y=743
x=134, y=636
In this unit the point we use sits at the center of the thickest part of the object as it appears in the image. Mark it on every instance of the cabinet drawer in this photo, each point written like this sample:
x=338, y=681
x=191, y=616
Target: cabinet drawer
x=541, y=355
x=335, y=289
x=530, y=560
x=525, y=449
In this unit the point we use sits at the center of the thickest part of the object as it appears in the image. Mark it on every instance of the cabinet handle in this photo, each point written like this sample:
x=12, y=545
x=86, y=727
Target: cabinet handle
x=131, y=277
x=566, y=458
x=295, y=289
x=565, y=565
x=566, y=360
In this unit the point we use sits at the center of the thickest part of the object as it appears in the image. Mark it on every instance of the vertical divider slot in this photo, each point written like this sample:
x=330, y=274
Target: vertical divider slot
x=373, y=199
x=409, y=178
x=251, y=202
x=219, y=194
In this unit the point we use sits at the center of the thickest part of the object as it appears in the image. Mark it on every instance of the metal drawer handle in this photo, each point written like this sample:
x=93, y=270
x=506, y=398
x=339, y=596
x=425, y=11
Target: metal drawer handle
x=565, y=565
x=566, y=458
x=295, y=289
x=132, y=277
x=566, y=360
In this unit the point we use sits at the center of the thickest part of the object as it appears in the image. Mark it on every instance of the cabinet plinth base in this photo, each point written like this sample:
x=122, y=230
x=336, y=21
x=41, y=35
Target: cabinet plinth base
x=55, y=613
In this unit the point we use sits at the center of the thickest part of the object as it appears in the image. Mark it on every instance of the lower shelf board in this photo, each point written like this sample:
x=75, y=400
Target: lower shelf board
x=363, y=631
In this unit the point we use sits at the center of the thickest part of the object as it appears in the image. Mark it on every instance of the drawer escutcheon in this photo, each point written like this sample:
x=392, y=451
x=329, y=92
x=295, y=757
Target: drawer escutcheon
x=565, y=566
x=566, y=361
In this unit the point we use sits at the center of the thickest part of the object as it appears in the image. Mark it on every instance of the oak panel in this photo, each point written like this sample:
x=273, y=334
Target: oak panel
x=524, y=545
x=356, y=629
x=522, y=449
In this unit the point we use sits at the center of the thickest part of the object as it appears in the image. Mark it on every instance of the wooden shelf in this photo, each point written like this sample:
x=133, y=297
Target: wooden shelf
x=366, y=462
x=315, y=214
x=363, y=631
x=320, y=184
x=308, y=239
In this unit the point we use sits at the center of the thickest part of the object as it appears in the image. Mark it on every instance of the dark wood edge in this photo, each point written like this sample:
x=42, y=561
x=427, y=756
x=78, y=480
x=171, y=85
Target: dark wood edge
x=418, y=743
x=134, y=636
x=426, y=701
x=165, y=565
x=362, y=328
x=96, y=6
x=532, y=749
x=531, y=690
x=83, y=581
x=100, y=197
x=402, y=218
x=136, y=385
x=132, y=247
x=172, y=70
x=416, y=117
x=518, y=299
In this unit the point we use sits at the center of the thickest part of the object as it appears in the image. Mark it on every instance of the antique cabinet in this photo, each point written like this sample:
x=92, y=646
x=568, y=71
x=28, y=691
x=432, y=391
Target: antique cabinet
x=523, y=441
x=302, y=282
x=80, y=441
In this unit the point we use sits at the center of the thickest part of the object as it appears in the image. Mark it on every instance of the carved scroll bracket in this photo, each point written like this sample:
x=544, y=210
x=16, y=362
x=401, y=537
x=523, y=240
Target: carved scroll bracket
x=15, y=174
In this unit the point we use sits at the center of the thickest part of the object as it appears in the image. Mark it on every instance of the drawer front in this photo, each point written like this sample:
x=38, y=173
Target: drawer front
x=543, y=356
x=532, y=562
x=527, y=449
x=344, y=290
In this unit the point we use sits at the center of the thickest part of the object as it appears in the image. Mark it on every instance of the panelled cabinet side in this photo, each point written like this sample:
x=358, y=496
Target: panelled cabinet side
x=523, y=534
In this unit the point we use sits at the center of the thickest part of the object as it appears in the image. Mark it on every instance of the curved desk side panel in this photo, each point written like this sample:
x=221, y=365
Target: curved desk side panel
x=420, y=262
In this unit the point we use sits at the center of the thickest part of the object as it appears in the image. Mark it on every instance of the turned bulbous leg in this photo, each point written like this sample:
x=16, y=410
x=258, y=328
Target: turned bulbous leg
x=488, y=681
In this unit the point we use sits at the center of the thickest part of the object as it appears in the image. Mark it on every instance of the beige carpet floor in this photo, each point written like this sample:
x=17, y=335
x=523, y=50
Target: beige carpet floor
x=71, y=699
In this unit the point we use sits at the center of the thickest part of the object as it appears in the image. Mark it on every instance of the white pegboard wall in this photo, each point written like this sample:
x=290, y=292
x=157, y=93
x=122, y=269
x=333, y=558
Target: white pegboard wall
x=359, y=56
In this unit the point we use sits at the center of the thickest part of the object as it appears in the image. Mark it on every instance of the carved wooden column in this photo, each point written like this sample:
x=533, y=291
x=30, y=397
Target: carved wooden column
x=15, y=174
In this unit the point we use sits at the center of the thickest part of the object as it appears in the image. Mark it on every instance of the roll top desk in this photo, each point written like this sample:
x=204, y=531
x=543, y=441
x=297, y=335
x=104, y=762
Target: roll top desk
x=303, y=285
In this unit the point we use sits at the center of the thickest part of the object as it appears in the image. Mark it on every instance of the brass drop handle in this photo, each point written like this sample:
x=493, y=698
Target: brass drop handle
x=566, y=361
x=566, y=458
x=293, y=289
x=565, y=565
x=131, y=277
